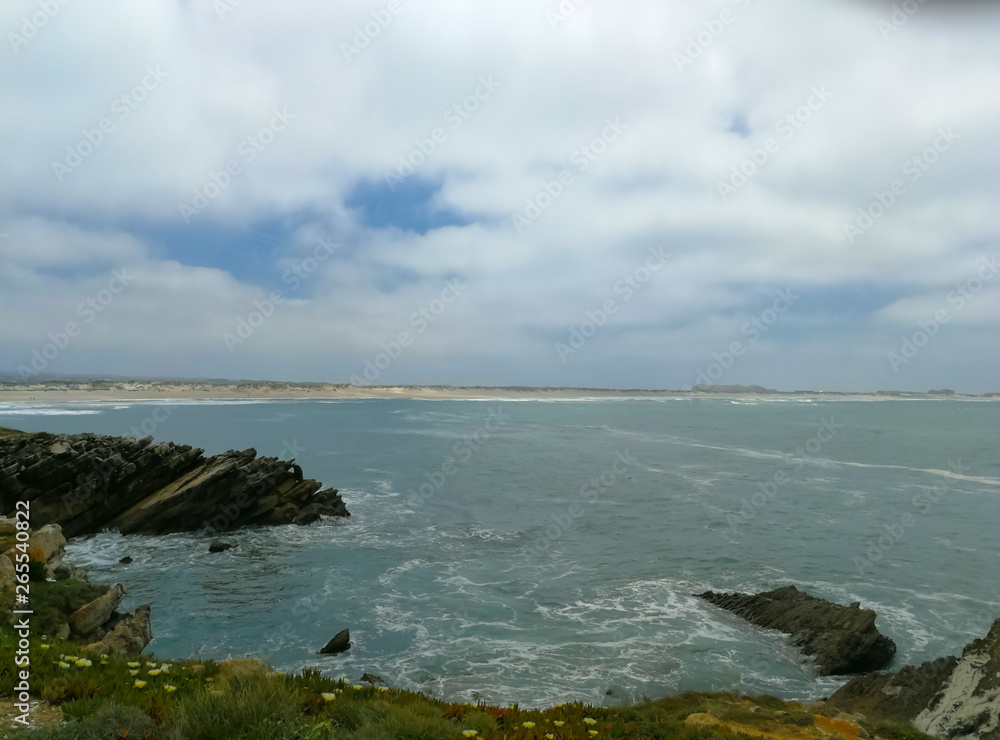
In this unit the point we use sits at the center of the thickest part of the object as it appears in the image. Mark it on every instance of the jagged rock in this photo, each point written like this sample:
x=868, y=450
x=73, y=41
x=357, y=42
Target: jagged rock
x=948, y=698
x=372, y=679
x=340, y=642
x=219, y=547
x=88, y=618
x=87, y=483
x=128, y=634
x=842, y=639
x=127, y=560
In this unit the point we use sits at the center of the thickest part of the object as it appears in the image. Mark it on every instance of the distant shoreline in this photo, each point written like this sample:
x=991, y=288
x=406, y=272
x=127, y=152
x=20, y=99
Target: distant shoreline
x=62, y=392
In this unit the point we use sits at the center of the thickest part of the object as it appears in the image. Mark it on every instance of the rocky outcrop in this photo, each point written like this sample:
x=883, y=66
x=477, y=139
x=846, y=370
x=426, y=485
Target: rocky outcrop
x=949, y=698
x=841, y=639
x=124, y=634
x=88, y=618
x=87, y=483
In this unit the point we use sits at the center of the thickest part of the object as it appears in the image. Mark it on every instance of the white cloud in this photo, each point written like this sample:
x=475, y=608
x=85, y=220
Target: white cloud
x=656, y=184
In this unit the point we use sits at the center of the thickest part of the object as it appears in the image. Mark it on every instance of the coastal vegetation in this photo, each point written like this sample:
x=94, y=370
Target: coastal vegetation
x=147, y=698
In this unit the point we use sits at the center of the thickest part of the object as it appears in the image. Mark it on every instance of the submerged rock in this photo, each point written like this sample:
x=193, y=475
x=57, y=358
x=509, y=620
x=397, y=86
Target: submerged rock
x=842, y=639
x=340, y=643
x=219, y=547
x=948, y=698
x=87, y=483
x=127, y=560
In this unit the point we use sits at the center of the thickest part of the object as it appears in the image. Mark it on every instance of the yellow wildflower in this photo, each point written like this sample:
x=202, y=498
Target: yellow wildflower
x=590, y=721
x=138, y=684
x=83, y=663
x=469, y=733
x=527, y=724
x=169, y=689
x=133, y=665
x=558, y=723
x=63, y=664
x=328, y=697
x=155, y=672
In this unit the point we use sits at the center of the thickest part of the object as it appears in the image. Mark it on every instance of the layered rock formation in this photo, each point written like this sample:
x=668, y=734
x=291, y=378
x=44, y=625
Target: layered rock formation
x=87, y=483
x=948, y=698
x=842, y=639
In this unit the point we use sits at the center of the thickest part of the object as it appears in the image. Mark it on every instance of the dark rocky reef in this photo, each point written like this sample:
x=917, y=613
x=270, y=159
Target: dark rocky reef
x=842, y=639
x=948, y=698
x=87, y=483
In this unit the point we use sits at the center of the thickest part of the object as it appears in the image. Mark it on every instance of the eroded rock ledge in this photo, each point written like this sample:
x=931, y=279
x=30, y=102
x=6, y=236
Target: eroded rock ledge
x=947, y=698
x=87, y=483
x=842, y=639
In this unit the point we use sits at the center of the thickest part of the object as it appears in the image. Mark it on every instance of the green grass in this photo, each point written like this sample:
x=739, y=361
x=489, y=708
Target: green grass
x=101, y=702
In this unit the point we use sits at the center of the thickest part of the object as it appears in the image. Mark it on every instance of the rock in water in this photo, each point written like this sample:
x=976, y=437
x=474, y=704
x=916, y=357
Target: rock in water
x=340, y=643
x=87, y=483
x=127, y=560
x=219, y=547
x=949, y=698
x=842, y=639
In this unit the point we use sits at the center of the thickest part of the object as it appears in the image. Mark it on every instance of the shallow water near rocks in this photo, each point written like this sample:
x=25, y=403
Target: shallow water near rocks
x=517, y=580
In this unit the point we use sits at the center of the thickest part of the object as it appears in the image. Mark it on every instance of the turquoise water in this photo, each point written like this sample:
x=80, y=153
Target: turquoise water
x=517, y=579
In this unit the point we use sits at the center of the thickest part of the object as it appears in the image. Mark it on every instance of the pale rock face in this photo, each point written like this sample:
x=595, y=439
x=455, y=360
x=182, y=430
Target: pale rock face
x=969, y=703
x=47, y=544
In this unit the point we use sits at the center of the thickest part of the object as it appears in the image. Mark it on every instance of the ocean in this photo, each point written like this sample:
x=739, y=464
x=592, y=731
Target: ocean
x=549, y=551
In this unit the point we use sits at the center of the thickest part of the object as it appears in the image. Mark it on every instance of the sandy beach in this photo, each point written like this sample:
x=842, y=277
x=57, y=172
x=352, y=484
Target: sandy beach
x=95, y=391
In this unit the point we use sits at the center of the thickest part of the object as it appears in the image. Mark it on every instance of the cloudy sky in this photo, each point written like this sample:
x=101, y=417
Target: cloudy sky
x=634, y=193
